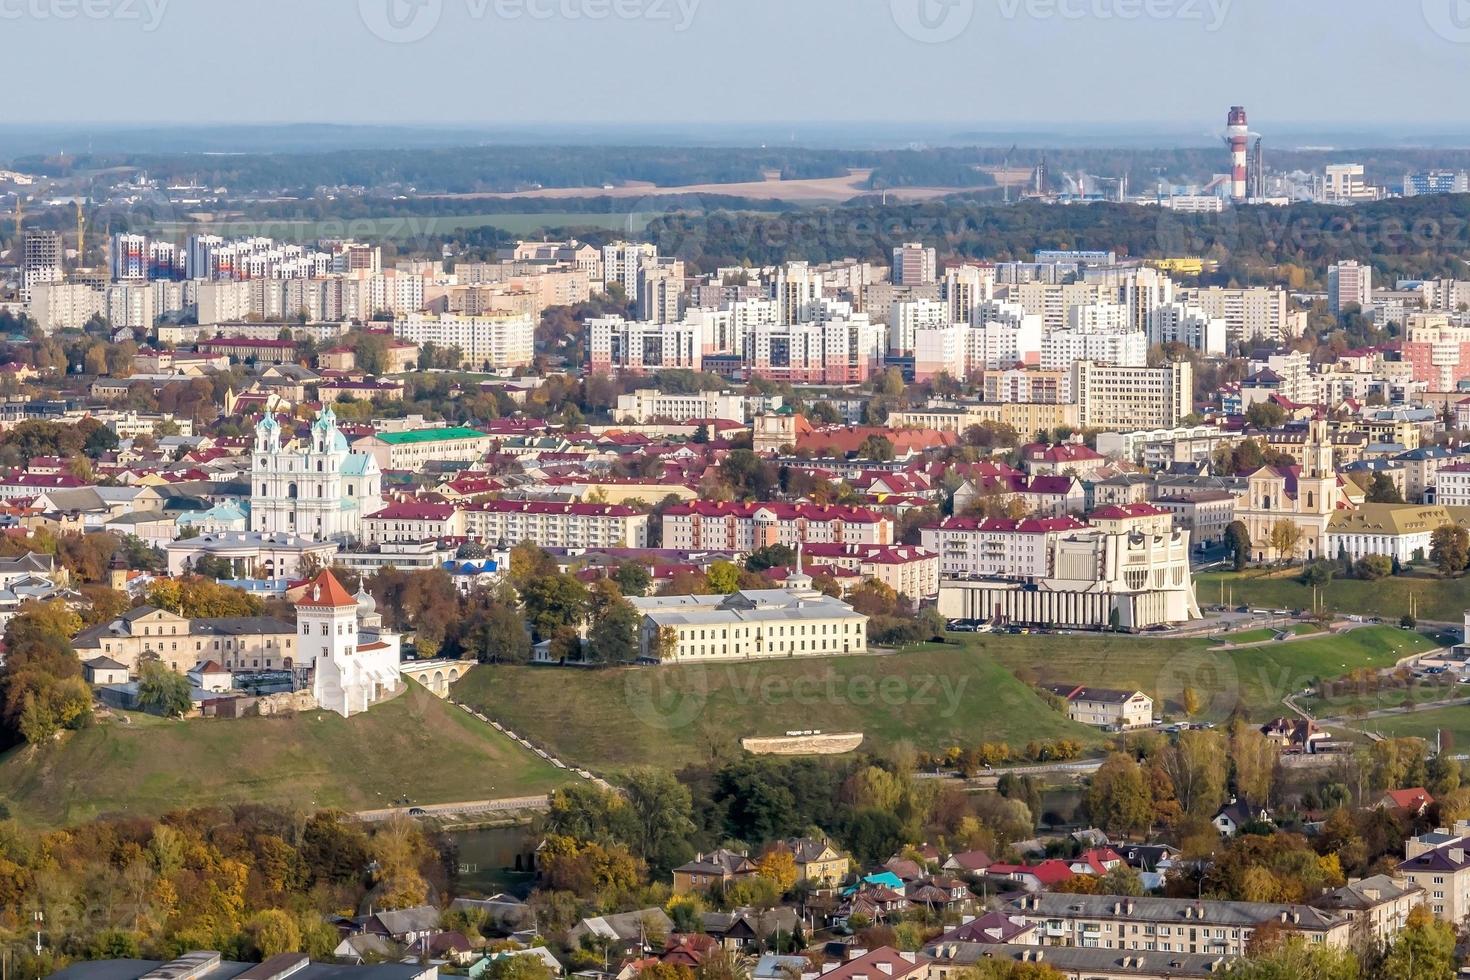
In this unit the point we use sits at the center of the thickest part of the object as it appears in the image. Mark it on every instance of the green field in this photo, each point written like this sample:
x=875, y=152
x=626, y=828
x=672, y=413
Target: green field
x=1265, y=634
x=1343, y=706
x=1255, y=678
x=1454, y=721
x=1441, y=600
x=415, y=745
x=671, y=716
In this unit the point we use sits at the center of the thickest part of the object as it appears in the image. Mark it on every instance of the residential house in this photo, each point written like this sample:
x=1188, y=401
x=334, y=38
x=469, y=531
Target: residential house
x=1412, y=802
x=749, y=928
x=1114, y=710
x=1377, y=906
x=404, y=926
x=1237, y=814
x=817, y=861
x=993, y=927
x=1295, y=736
x=967, y=862
x=714, y=870
x=1033, y=877
x=628, y=932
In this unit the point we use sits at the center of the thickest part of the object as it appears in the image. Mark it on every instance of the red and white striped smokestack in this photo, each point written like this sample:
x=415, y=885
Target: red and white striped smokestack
x=1239, y=139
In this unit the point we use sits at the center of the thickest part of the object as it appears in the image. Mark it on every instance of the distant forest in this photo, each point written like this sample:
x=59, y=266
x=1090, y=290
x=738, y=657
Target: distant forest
x=505, y=168
x=1402, y=238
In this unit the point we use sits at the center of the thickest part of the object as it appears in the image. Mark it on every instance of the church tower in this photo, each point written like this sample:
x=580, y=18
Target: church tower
x=326, y=641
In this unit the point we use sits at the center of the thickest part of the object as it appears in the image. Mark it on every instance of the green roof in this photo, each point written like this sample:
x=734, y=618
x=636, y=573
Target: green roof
x=430, y=435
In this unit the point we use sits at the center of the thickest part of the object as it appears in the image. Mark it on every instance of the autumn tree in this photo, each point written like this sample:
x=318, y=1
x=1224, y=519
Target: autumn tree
x=1196, y=766
x=779, y=866
x=1285, y=537
x=1449, y=549
x=1118, y=798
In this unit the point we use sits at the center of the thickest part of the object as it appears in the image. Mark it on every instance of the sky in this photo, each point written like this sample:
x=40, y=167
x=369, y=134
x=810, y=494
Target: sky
x=1177, y=64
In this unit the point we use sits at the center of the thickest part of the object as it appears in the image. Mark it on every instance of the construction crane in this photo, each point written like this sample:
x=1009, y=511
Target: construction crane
x=81, y=237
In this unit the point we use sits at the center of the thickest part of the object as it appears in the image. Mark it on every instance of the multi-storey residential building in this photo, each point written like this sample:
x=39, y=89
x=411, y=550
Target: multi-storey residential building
x=244, y=349
x=40, y=260
x=618, y=345
x=555, y=525
x=485, y=343
x=1172, y=925
x=838, y=351
x=1349, y=284
x=744, y=527
x=996, y=548
x=1129, y=398
x=908, y=316
x=1204, y=514
x=1438, y=351
x=64, y=305
x=1184, y=323
x=1020, y=385
x=960, y=350
x=647, y=404
x=1439, y=863
x=1377, y=907
x=1157, y=448
x=909, y=571
x=660, y=290
x=965, y=288
x=1452, y=485
x=1024, y=417
x=408, y=521
x=914, y=265
x=1250, y=313
x=410, y=449
x=1053, y=302
x=1060, y=349
x=621, y=262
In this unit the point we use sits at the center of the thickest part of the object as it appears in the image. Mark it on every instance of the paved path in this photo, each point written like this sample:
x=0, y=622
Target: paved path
x=506, y=805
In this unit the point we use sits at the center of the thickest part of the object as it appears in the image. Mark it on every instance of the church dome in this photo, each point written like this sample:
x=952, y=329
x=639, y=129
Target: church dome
x=366, y=605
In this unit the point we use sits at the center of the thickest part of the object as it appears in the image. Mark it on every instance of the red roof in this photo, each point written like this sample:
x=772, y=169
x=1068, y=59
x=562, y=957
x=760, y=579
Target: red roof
x=1025, y=525
x=1066, y=452
x=547, y=507
x=1050, y=872
x=782, y=512
x=1118, y=512
x=414, y=512
x=327, y=593
x=1410, y=799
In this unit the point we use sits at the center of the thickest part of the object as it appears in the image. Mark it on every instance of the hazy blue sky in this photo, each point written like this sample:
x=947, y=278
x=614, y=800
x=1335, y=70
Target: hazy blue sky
x=1180, y=62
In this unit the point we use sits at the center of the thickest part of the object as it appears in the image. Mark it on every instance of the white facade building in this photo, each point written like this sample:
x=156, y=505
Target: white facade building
x=485, y=343
x=353, y=664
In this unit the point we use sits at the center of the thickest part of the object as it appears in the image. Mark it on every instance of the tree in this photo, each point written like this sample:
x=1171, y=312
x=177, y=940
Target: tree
x=1265, y=415
x=1449, y=549
x=273, y=932
x=662, y=810
x=877, y=448
x=1196, y=766
x=554, y=600
x=1118, y=799
x=1011, y=970
x=519, y=966
x=613, y=637
x=1285, y=537
x=1423, y=950
x=497, y=634
x=1383, y=490
x=779, y=866
x=1255, y=763
x=1372, y=567
x=162, y=690
x=1296, y=959
x=1238, y=539
x=723, y=578
x=632, y=578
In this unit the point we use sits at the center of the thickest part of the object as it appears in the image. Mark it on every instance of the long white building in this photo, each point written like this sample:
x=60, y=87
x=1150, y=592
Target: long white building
x=485, y=343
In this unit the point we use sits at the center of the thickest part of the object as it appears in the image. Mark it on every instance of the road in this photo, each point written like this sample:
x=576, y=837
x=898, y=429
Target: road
x=459, y=809
x=988, y=779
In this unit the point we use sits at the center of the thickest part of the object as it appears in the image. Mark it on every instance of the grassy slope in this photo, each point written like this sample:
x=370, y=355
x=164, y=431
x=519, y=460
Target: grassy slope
x=933, y=698
x=414, y=745
x=1257, y=677
x=1436, y=599
x=1455, y=721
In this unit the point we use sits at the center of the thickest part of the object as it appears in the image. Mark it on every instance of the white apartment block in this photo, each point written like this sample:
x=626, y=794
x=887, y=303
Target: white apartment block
x=554, y=525
x=908, y=316
x=1131, y=398
x=703, y=524
x=1053, y=301
x=1182, y=323
x=973, y=547
x=914, y=265
x=615, y=344
x=64, y=305
x=1249, y=313
x=485, y=343
x=647, y=404
x=965, y=288
x=621, y=262
x=130, y=305
x=1060, y=349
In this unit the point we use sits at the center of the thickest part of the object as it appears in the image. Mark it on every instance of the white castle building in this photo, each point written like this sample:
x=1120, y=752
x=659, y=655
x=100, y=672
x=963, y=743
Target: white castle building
x=352, y=660
x=320, y=490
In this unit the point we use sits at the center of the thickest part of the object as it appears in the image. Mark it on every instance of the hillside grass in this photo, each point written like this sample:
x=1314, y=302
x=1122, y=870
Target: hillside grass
x=1453, y=721
x=415, y=745
x=1255, y=678
x=1435, y=599
x=934, y=697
